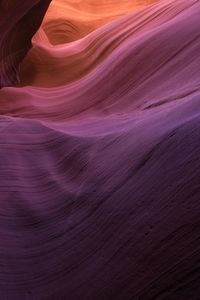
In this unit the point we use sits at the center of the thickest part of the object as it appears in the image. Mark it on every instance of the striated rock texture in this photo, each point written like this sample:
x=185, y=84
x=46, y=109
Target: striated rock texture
x=69, y=20
x=100, y=162
x=19, y=20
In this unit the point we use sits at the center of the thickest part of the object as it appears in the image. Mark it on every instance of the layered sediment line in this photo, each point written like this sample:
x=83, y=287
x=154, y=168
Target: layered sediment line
x=100, y=160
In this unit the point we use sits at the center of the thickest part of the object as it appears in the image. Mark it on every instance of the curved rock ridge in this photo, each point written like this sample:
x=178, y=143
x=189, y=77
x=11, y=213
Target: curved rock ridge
x=67, y=21
x=130, y=39
x=18, y=23
x=100, y=162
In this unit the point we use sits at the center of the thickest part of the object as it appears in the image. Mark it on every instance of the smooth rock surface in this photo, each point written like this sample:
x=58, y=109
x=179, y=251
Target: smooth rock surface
x=100, y=163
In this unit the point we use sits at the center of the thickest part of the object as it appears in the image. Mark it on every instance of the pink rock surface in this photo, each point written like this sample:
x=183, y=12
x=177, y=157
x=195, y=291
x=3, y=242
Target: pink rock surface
x=100, y=163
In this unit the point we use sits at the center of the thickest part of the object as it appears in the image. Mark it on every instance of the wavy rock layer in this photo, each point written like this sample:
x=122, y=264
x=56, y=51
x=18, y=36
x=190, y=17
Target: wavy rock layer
x=100, y=163
x=17, y=28
x=67, y=21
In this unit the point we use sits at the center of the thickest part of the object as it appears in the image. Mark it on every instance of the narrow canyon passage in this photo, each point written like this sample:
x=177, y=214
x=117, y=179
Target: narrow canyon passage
x=99, y=150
